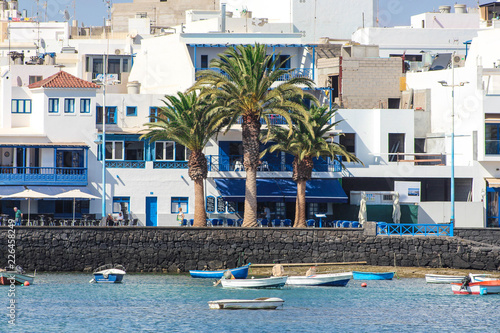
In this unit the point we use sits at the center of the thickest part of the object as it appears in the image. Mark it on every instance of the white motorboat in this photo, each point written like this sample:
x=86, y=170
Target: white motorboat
x=334, y=279
x=478, y=288
x=263, y=303
x=271, y=282
x=482, y=277
x=436, y=278
x=109, y=274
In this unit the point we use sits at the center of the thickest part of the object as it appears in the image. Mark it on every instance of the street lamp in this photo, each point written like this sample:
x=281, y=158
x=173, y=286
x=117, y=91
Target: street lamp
x=452, y=85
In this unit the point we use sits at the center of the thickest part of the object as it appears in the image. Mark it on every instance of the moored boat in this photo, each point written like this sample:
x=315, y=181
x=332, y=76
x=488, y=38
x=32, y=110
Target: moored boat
x=436, y=278
x=270, y=282
x=482, y=277
x=334, y=279
x=238, y=273
x=262, y=303
x=477, y=288
x=109, y=274
x=372, y=275
x=18, y=276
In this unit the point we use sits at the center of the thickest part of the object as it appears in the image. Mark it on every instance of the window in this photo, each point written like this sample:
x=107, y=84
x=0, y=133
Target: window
x=117, y=64
x=153, y=112
x=85, y=105
x=69, y=105
x=204, y=61
x=110, y=115
x=393, y=103
x=70, y=158
x=53, y=105
x=179, y=202
x=125, y=65
x=164, y=150
x=114, y=150
x=396, y=145
x=134, y=150
x=317, y=208
x=121, y=204
x=286, y=59
x=419, y=145
x=35, y=78
x=492, y=139
x=131, y=111
x=21, y=106
x=348, y=140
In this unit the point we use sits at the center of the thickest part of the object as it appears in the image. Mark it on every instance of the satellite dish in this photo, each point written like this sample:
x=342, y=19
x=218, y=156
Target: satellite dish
x=66, y=15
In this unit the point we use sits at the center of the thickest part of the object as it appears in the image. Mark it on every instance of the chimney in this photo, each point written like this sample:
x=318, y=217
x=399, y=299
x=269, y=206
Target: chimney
x=223, y=18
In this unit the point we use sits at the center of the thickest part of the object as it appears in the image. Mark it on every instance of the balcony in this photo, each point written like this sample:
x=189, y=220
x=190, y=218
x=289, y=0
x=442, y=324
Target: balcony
x=418, y=158
x=235, y=163
x=126, y=164
x=43, y=176
x=294, y=73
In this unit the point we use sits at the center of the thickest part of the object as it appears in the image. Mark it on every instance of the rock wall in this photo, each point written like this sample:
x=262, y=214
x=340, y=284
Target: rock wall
x=154, y=249
x=487, y=235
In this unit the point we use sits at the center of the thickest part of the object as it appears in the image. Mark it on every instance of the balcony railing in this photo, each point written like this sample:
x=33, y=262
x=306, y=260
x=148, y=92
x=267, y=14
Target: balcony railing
x=294, y=73
x=43, y=176
x=126, y=164
x=235, y=163
x=170, y=165
x=418, y=158
x=415, y=229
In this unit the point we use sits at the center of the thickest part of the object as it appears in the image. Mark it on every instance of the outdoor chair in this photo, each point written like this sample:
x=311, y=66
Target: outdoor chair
x=239, y=222
x=276, y=223
x=238, y=166
x=355, y=224
x=346, y=224
x=311, y=223
x=287, y=223
x=214, y=222
x=135, y=222
x=264, y=223
x=184, y=223
x=191, y=222
x=230, y=222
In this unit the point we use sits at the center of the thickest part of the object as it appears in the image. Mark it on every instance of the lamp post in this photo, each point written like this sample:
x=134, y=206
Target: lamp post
x=452, y=85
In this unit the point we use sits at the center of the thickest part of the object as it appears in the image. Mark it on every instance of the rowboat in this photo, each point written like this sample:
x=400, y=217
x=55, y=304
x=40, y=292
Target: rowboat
x=109, y=274
x=335, y=279
x=482, y=288
x=263, y=303
x=15, y=277
x=436, y=278
x=372, y=276
x=238, y=273
x=270, y=282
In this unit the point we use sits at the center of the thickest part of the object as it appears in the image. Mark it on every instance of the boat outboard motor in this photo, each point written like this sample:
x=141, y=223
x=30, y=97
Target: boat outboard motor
x=465, y=282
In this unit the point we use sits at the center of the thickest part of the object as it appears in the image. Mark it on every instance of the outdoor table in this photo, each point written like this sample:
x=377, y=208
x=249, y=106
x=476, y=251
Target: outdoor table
x=320, y=216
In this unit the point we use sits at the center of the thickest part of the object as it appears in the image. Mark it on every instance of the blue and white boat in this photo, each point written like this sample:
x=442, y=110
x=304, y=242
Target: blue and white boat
x=334, y=279
x=238, y=273
x=372, y=276
x=109, y=274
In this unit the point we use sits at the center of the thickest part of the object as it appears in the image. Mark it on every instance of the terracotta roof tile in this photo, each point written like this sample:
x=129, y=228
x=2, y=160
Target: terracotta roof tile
x=63, y=80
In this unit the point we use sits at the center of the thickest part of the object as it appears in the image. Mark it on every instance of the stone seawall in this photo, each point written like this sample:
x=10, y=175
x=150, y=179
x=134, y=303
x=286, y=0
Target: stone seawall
x=155, y=249
x=488, y=235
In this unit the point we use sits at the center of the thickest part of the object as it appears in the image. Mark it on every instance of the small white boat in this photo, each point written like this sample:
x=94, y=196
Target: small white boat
x=263, y=303
x=271, y=282
x=15, y=277
x=334, y=279
x=109, y=274
x=436, y=278
x=477, y=288
x=482, y=277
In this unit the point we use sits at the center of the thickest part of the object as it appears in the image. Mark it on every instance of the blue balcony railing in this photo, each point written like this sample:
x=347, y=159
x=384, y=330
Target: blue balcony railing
x=414, y=229
x=235, y=163
x=126, y=164
x=43, y=176
x=170, y=165
x=294, y=73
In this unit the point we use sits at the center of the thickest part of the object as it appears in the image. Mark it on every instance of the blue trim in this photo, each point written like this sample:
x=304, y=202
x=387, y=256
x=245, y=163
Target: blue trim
x=120, y=200
x=131, y=111
x=85, y=105
x=178, y=201
x=69, y=105
x=414, y=229
x=206, y=206
x=53, y=105
x=25, y=102
x=110, y=111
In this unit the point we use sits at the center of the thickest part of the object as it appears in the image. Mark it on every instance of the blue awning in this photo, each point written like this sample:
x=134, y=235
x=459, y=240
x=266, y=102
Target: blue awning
x=281, y=189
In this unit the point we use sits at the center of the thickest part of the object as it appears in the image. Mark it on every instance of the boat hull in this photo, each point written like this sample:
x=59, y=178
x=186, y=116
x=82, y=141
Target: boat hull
x=436, y=278
x=109, y=276
x=5, y=278
x=334, y=280
x=372, y=276
x=264, y=303
x=477, y=288
x=272, y=282
x=238, y=273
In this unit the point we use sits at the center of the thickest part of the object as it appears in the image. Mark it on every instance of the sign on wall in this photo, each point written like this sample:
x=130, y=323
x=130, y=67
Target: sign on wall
x=409, y=192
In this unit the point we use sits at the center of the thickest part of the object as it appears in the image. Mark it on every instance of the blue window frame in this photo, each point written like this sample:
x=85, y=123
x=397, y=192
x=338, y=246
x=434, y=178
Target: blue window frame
x=53, y=105
x=121, y=204
x=179, y=202
x=131, y=111
x=153, y=112
x=492, y=139
x=110, y=115
x=85, y=105
x=210, y=204
x=69, y=105
x=21, y=106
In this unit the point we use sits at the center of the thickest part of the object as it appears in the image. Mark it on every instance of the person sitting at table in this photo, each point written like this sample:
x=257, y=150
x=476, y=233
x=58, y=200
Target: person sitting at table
x=119, y=218
x=110, y=220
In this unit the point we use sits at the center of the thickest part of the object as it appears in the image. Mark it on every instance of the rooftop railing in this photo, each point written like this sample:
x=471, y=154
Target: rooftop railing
x=235, y=163
x=294, y=73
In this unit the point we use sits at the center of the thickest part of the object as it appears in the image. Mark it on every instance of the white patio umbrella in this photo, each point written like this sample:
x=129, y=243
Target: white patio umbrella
x=75, y=194
x=28, y=194
x=362, y=209
x=396, y=209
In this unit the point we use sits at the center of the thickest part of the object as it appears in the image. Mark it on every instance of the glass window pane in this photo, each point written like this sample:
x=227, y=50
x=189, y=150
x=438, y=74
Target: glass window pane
x=114, y=66
x=27, y=105
x=14, y=106
x=174, y=207
x=109, y=150
x=134, y=150
x=118, y=150
x=180, y=152
x=159, y=151
x=125, y=65
x=169, y=150
x=184, y=206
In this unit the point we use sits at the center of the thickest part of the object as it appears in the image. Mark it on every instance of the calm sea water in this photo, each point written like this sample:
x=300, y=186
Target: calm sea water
x=178, y=303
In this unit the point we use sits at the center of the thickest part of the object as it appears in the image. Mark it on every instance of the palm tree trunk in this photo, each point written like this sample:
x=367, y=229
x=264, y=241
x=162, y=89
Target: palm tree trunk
x=200, y=217
x=297, y=208
x=251, y=149
x=301, y=202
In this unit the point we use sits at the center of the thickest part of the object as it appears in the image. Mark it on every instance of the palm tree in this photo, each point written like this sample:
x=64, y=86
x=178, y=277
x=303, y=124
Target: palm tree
x=243, y=87
x=186, y=119
x=312, y=137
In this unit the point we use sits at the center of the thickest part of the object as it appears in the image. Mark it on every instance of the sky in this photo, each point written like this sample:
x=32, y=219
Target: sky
x=93, y=12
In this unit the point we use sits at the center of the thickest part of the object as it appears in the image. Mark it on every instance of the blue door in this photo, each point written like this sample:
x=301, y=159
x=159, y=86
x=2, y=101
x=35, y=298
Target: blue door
x=151, y=211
